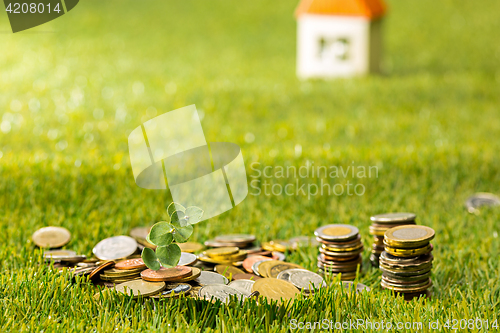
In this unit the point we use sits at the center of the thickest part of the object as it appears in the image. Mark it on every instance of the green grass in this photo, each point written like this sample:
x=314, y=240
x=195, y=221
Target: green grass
x=430, y=124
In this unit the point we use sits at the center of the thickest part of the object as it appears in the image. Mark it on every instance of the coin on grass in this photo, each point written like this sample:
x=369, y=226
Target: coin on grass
x=478, y=200
x=236, y=238
x=227, y=270
x=115, y=248
x=251, y=277
x=99, y=269
x=244, y=286
x=249, y=261
x=195, y=273
x=408, y=236
x=51, y=237
x=337, y=232
x=274, y=267
x=166, y=274
x=221, y=292
x=206, y=278
x=190, y=247
x=130, y=264
x=407, y=288
x=255, y=266
x=173, y=290
x=140, y=287
x=221, y=251
x=58, y=254
x=187, y=259
x=393, y=218
x=276, y=290
x=303, y=279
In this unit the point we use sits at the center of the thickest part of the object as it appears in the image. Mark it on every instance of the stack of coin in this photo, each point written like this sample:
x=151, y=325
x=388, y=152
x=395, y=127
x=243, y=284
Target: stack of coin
x=340, y=250
x=124, y=271
x=231, y=255
x=407, y=260
x=380, y=224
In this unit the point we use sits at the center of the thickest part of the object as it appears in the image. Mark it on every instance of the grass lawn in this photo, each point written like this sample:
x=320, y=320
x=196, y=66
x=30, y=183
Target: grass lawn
x=73, y=89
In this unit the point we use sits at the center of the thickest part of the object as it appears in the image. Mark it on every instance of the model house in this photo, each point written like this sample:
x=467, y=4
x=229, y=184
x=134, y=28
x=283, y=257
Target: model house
x=338, y=38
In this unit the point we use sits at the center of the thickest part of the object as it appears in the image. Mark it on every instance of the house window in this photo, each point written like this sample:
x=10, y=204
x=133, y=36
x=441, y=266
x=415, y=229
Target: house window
x=334, y=49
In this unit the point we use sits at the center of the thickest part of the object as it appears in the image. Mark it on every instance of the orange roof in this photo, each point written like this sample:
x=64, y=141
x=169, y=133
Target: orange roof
x=366, y=8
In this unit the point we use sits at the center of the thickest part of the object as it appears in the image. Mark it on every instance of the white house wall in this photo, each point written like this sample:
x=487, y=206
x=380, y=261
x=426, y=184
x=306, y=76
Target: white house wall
x=312, y=28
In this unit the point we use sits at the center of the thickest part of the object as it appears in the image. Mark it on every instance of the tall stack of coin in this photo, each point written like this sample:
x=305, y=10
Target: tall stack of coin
x=406, y=262
x=340, y=250
x=380, y=224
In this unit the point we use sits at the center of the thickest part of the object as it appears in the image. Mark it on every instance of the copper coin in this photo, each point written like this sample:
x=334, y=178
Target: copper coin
x=248, y=262
x=95, y=273
x=130, y=264
x=246, y=277
x=166, y=274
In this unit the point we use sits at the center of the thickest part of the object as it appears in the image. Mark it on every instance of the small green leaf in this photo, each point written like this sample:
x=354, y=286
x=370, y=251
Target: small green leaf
x=182, y=234
x=194, y=214
x=169, y=256
x=174, y=207
x=149, y=258
x=159, y=234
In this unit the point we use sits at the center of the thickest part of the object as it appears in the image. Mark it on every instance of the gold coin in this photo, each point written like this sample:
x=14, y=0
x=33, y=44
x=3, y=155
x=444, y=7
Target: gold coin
x=271, y=268
x=122, y=272
x=222, y=251
x=190, y=247
x=228, y=271
x=51, y=237
x=216, y=261
x=276, y=290
x=140, y=287
x=195, y=273
x=337, y=232
x=408, y=236
x=408, y=252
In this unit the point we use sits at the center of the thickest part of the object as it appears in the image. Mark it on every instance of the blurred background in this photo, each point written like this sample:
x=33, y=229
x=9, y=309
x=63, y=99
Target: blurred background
x=73, y=89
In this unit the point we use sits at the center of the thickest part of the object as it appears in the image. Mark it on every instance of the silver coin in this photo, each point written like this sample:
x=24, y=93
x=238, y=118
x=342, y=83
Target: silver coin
x=478, y=200
x=115, y=248
x=255, y=266
x=58, y=254
x=244, y=286
x=304, y=279
x=220, y=292
x=187, y=259
x=207, y=278
x=174, y=289
x=393, y=218
x=359, y=287
x=278, y=256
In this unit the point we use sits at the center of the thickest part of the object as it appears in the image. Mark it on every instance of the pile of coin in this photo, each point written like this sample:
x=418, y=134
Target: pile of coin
x=380, y=224
x=212, y=275
x=340, y=250
x=406, y=262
